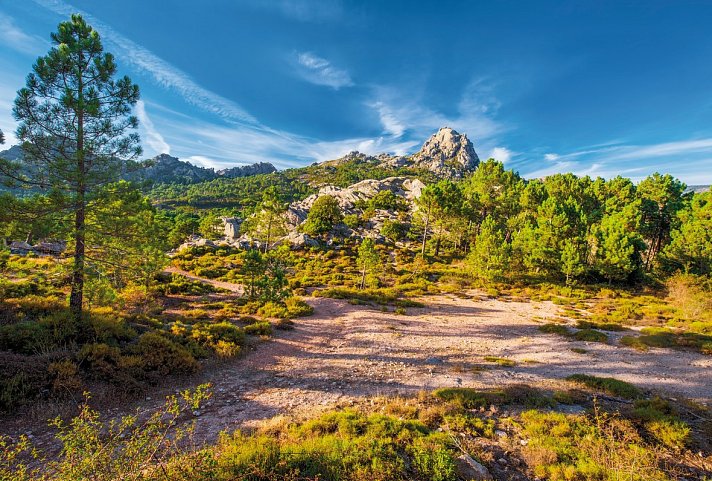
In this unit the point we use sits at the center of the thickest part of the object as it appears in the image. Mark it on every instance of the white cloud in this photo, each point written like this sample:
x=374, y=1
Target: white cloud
x=390, y=122
x=503, y=154
x=152, y=137
x=476, y=110
x=7, y=124
x=12, y=36
x=664, y=149
x=203, y=161
x=690, y=160
x=162, y=72
x=319, y=71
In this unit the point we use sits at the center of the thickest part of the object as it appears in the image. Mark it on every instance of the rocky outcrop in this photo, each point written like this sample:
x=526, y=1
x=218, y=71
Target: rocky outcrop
x=13, y=154
x=349, y=197
x=447, y=153
x=43, y=248
x=247, y=170
x=232, y=227
x=167, y=169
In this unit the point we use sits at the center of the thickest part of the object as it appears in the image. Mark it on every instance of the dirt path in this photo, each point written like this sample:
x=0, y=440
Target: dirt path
x=343, y=353
x=236, y=288
x=346, y=352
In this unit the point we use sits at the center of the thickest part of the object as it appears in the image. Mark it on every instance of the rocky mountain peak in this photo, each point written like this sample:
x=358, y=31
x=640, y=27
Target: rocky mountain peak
x=447, y=153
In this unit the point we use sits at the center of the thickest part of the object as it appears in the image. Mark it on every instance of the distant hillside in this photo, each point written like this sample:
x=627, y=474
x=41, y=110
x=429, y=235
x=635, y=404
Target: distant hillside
x=167, y=169
x=698, y=189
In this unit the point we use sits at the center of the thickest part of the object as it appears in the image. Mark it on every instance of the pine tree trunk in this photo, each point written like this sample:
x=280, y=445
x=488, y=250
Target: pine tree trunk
x=425, y=234
x=76, y=297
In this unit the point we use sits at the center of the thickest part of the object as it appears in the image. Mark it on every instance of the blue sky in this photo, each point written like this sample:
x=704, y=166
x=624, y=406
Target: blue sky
x=596, y=88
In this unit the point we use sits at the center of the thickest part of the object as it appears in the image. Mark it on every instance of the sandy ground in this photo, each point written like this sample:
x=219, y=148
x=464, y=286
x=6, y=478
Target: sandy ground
x=343, y=353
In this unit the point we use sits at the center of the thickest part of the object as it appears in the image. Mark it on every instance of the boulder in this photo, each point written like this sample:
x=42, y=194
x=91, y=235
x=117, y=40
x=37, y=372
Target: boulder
x=471, y=470
x=232, y=227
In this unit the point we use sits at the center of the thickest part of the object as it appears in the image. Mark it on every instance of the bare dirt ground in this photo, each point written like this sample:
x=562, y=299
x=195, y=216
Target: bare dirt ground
x=344, y=353
x=236, y=288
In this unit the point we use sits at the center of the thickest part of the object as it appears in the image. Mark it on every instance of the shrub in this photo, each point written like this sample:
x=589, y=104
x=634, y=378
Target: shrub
x=259, y=329
x=22, y=379
x=501, y=361
x=24, y=337
x=111, y=328
x=608, y=384
x=552, y=328
x=670, y=432
x=101, y=360
x=163, y=356
x=469, y=398
x=602, y=326
x=590, y=335
x=297, y=307
x=66, y=377
x=273, y=309
x=635, y=343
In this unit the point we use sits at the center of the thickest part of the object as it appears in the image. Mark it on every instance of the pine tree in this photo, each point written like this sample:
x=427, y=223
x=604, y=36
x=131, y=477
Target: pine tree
x=323, y=216
x=368, y=259
x=572, y=263
x=662, y=197
x=489, y=257
x=616, y=250
x=268, y=221
x=75, y=125
x=690, y=247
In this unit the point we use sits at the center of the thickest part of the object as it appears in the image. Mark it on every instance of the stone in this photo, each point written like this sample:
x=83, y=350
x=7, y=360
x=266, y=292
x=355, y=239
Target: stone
x=471, y=470
x=232, y=227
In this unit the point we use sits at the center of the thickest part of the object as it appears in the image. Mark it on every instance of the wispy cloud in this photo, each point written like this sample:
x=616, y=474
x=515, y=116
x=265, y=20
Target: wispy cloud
x=7, y=99
x=401, y=110
x=14, y=37
x=389, y=119
x=320, y=71
x=152, y=137
x=163, y=73
x=503, y=154
x=690, y=160
x=317, y=11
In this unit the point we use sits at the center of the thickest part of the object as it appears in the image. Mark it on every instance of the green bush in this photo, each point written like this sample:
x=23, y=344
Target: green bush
x=259, y=329
x=27, y=337
x=22, y=379
x=101, y=360
x=273, y=309
x=297, y=307
x=163, y=356
x=552, y=328
x=469, y=398
x=608, y=384
x=670, y=432
x=590, y=335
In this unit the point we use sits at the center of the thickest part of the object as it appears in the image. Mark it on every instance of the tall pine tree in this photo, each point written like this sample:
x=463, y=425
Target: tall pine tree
x=76, y=126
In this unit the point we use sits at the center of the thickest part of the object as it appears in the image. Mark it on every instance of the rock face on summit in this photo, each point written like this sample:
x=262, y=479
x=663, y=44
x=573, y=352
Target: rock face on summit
x=447, y=153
